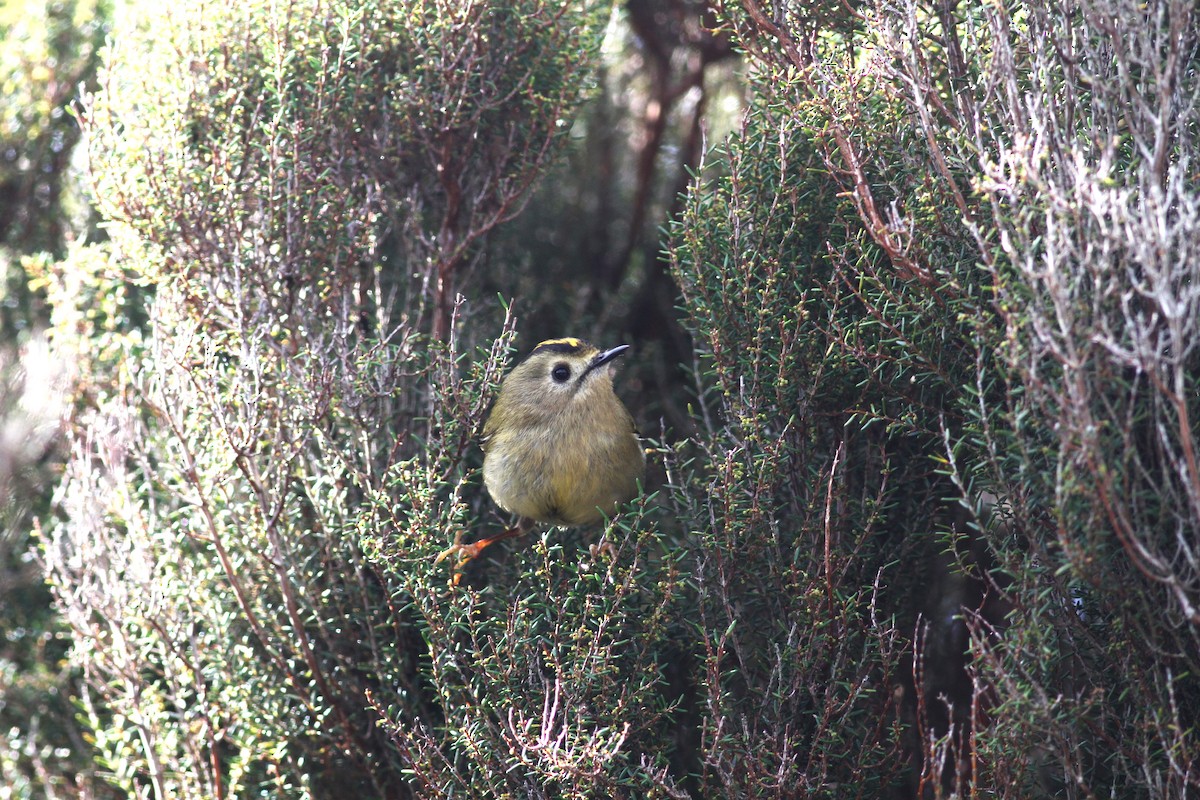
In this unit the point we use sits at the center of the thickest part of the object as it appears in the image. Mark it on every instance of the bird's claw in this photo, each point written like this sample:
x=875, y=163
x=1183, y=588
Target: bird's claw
x=605, y=548
x=465, y=553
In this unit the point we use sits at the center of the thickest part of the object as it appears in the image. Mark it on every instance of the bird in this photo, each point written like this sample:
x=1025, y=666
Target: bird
x=560, y=448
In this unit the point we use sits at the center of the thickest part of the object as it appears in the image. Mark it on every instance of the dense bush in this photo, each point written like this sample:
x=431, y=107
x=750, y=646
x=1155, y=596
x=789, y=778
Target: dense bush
x=1014, y=304
x=251, y=501
x=933, y=534
x=48, y=55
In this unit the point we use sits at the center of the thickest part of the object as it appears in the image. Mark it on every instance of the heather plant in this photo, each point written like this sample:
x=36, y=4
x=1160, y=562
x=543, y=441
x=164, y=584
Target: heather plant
x=817, y=501
x=1006, y=299
x=930, y=531
x=48, y=52
x=257, y=490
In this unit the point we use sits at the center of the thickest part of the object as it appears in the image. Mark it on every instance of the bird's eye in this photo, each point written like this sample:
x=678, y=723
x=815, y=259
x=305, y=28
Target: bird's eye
x=560, y=373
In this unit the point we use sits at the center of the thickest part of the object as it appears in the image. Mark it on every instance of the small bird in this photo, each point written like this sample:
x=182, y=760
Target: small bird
x=559, y=446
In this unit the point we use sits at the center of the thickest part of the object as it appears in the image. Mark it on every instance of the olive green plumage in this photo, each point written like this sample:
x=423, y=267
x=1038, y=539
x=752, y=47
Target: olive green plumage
x=559, y=446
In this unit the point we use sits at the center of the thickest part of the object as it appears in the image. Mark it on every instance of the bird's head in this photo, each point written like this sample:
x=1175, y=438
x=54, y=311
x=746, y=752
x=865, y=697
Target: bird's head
x=558, y=373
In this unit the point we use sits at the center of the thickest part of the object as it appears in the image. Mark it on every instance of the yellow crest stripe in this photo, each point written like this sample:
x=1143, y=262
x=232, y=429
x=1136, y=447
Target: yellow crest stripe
x=567, y=344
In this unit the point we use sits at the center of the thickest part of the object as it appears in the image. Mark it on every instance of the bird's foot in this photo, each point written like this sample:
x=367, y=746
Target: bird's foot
x=605, y=548
x=466, y=552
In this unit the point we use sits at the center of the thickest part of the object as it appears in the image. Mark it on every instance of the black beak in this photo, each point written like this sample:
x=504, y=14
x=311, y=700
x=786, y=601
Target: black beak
x=606, y=356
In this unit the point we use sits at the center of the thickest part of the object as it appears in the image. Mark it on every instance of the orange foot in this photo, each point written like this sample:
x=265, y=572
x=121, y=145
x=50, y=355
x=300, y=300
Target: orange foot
x=605, y=548
x=466, y=552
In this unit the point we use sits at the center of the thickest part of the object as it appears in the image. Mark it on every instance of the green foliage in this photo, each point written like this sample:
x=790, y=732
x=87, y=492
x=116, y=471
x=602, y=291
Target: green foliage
x=49, y=51
x=799, y=543
x=1093, y=276
x=934, y=534
x=259, y=487
x=551, y=686
x=1021, y=316
x=428, y=125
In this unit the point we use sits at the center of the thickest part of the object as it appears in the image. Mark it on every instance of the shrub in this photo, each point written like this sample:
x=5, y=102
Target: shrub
x=933, y=535
x=48, y=52
x=251, y=510
x=1018, y=276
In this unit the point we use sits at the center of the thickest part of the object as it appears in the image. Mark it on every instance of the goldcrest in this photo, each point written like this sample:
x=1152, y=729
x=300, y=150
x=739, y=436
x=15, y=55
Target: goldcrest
x=559, y=446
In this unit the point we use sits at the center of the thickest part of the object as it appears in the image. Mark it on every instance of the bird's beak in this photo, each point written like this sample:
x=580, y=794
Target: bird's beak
x=606, y=356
